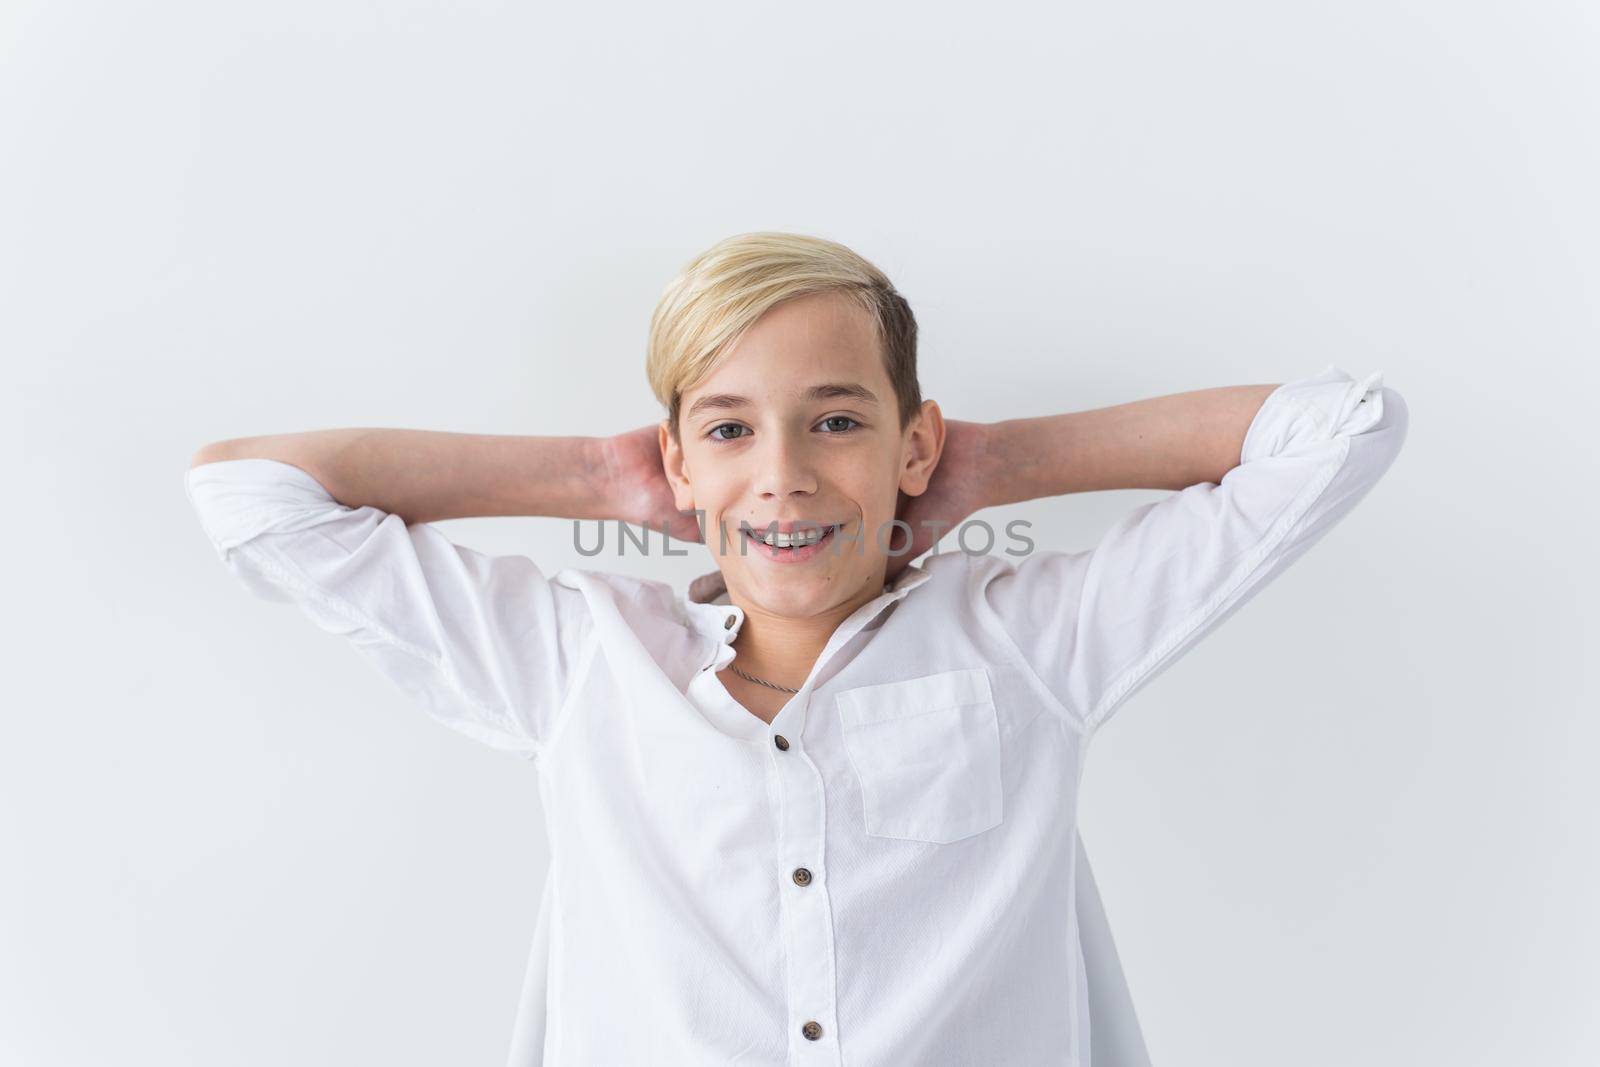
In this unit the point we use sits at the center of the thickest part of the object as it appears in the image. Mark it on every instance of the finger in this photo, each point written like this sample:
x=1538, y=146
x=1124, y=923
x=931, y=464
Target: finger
x=707, y=587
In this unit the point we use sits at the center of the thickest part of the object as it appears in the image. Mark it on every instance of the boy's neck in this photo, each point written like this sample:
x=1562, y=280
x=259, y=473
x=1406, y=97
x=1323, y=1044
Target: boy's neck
x=783, y=649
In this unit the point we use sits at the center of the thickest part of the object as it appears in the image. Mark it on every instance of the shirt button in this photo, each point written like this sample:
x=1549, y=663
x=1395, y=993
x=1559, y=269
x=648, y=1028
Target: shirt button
x=782, y=743
x=802, y=876
x=728, y=623
x=812, y=1030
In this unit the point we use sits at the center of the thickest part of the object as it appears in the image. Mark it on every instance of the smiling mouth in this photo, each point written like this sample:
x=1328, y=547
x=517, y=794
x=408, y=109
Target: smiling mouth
x=781, y=545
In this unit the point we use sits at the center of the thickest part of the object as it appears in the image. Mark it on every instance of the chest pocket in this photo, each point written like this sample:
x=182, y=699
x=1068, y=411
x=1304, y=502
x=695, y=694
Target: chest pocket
x=927, y=754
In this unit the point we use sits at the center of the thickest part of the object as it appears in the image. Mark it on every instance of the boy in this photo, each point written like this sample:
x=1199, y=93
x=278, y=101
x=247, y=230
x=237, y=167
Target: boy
x=823, y=810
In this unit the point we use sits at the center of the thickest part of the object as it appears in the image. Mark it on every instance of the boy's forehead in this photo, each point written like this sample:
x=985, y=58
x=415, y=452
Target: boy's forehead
x=819, y=336
x=861, y=382
x=796, y=370
x=799, y=352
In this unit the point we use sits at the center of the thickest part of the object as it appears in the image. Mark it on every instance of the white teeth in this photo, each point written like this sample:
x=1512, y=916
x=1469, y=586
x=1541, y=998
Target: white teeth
x=783, y=540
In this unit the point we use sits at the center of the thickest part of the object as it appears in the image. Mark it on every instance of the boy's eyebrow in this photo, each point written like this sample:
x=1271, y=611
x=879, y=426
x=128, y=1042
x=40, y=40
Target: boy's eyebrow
x=825, y=391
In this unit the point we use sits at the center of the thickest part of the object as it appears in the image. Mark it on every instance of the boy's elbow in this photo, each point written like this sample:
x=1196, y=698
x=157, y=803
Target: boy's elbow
x=212, y=453
x=1396, y=419
x=1375, y=449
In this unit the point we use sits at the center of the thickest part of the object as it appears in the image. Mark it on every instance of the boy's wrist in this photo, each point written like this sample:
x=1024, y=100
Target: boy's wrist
x=616, y=495
x=1005, y=461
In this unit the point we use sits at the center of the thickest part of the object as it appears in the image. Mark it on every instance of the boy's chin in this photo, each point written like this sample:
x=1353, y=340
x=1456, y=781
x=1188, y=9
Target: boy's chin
x=803, y=593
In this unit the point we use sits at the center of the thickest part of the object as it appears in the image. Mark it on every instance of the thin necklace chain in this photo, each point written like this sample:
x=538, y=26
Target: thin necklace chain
x=761, y=681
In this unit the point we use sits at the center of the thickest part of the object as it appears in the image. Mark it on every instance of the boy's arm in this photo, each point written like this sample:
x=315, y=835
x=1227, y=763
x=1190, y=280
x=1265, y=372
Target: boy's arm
x=429, y=476
x=336, y=521
x=1097, y=625
x=1165, y=442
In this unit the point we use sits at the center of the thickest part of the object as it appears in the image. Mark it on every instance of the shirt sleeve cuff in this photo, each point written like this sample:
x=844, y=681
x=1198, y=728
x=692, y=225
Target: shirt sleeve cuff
x=237, y=499
x=1312, y=410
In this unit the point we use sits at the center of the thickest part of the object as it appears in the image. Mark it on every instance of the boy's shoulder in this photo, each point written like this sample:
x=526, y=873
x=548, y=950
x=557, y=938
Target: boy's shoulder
x=630, y=594
x=671, y=631
x=974, y=569
x=1002, y=584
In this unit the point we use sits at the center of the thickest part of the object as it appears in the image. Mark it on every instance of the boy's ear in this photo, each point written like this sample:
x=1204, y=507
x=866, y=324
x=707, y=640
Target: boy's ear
x=923, y=447
x=672, y=462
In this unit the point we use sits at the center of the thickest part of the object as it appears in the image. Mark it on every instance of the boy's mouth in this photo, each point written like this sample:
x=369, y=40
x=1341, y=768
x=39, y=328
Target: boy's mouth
x=790, y=547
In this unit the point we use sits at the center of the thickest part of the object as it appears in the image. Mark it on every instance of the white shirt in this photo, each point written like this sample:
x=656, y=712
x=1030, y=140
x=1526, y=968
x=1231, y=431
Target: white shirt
x=890, y=872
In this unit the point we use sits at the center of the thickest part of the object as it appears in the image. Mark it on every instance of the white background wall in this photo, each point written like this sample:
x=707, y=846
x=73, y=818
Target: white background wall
x=1355, y=825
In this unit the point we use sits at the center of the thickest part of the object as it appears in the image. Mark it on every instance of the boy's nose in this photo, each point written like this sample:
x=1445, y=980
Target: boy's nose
x=786, y=470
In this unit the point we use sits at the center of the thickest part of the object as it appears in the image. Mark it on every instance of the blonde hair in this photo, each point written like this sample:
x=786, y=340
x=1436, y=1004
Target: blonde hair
x=722, y=292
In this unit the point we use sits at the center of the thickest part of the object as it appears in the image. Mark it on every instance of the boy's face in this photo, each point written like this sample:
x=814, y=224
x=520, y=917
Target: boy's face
x=758, y=446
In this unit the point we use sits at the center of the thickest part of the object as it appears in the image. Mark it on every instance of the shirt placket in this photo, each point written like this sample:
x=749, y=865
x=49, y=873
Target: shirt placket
x=805, y=918
x=806, y=914
x=803, y=891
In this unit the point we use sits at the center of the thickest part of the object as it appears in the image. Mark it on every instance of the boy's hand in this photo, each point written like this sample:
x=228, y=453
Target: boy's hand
x=639, y=491
x=959, y=487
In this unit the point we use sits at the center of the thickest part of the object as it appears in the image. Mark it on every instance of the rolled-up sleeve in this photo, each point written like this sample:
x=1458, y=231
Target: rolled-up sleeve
x=1096, y=626
x=485, y=644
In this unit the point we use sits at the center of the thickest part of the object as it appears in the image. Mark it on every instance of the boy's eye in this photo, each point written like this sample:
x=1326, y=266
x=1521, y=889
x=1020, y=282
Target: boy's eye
x=716, y=434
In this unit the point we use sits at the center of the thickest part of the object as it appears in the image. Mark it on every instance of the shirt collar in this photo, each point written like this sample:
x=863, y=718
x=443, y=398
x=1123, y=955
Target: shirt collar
x=718, y=618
